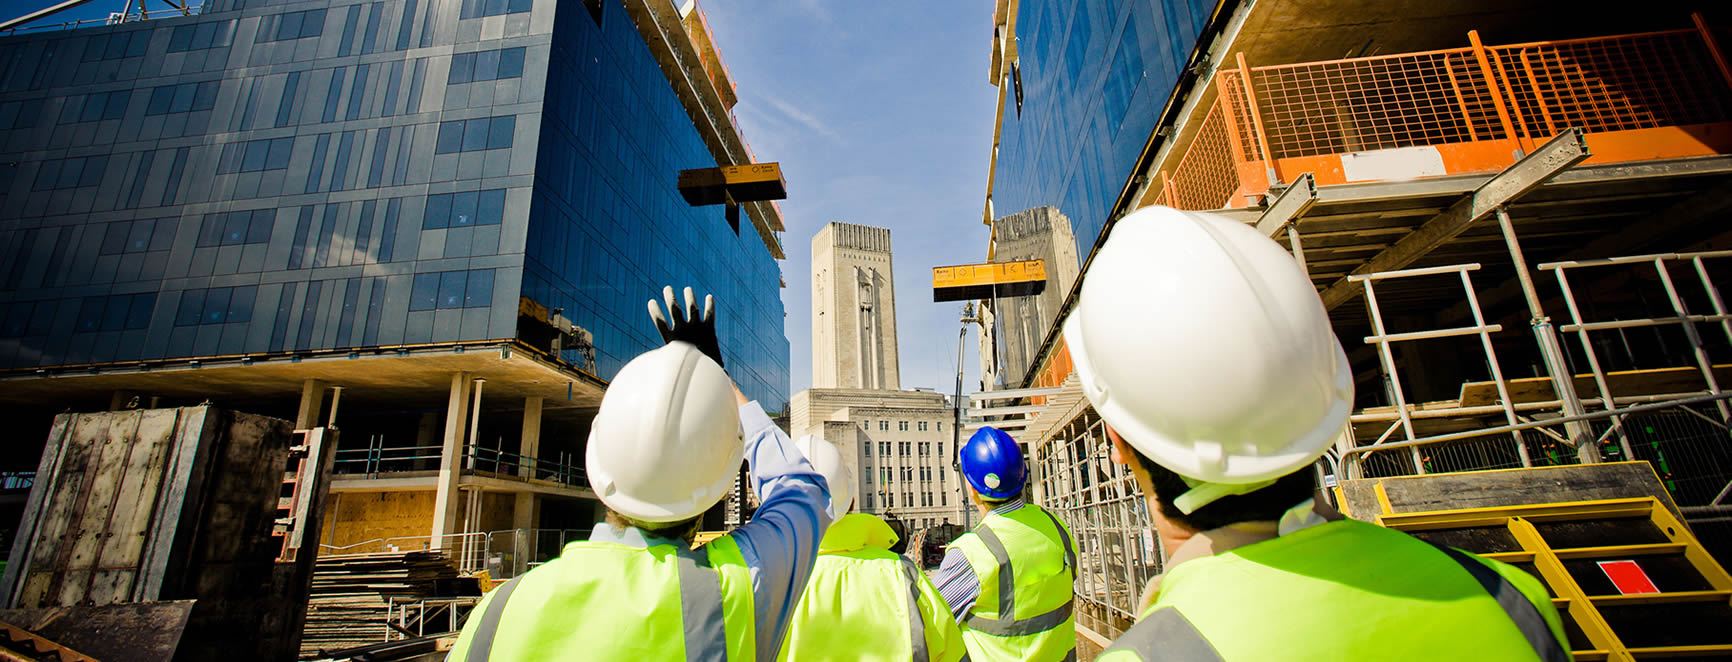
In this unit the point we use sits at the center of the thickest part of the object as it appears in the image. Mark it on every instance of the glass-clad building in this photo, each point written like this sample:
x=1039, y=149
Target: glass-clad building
x=272, y=177
x=1088, y=84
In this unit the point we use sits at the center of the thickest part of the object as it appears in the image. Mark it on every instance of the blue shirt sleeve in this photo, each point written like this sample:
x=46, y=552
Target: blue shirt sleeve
x=958, y=584
x=780, y=544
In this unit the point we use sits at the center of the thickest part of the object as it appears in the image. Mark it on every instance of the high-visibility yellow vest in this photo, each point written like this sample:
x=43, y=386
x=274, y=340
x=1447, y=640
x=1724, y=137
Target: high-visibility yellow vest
x=1027, y=570
x=1345, y=590
x=865, y=602
x=608, y=601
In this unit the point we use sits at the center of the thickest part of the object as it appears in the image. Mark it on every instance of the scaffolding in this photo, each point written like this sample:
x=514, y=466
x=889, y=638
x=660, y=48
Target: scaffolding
x=1422, y=183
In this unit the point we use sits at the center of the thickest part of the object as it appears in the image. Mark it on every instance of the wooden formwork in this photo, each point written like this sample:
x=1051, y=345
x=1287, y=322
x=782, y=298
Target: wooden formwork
x=148, y=506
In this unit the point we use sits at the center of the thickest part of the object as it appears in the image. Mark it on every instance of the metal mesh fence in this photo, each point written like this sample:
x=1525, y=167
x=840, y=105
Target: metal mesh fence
x=1612, y=84
x=1207, y=177
x=1116, y=548
x=1374, y=103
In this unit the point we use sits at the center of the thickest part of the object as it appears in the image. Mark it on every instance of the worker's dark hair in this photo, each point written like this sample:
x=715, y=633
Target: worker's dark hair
x=1264, y=505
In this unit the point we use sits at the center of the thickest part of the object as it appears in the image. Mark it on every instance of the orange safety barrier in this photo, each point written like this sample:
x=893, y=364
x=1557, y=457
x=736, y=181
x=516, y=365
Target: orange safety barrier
x=1639, y=97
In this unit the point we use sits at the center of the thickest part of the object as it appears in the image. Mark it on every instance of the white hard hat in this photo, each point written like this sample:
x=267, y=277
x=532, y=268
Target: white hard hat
x=827, y=459
x=666, y=444
x=1206, y=347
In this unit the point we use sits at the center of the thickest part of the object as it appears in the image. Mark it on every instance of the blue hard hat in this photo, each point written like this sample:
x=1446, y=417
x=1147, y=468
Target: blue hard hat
x=992, y=462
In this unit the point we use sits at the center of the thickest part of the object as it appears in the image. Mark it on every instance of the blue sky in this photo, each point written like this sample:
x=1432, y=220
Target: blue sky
x=880, y=114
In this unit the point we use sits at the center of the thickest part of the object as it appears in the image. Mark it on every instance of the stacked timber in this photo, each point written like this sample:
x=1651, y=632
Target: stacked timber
x=351, y=595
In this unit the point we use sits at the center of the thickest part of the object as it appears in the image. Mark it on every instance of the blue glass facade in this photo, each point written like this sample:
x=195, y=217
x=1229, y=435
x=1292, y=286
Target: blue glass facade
x=607, y=227
x=276, y=176
x=1095, y=77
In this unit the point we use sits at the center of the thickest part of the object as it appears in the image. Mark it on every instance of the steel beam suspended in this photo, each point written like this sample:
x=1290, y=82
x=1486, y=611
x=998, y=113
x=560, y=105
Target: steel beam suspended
x=45, y=11
x=1290, y=206
x=1546, y=162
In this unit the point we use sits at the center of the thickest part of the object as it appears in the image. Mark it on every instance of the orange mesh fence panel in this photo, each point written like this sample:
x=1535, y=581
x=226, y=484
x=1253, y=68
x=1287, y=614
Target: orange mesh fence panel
x=1613, y=84
x=1206, y=178
x=1232, y=89
x=1375, y=103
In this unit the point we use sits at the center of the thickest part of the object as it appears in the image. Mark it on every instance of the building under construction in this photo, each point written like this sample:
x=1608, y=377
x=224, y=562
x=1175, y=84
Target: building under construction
x=1514, y=214
x=432, y=224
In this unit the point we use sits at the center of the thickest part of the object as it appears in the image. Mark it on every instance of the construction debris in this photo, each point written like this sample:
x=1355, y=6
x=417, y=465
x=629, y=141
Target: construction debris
x=352, y=595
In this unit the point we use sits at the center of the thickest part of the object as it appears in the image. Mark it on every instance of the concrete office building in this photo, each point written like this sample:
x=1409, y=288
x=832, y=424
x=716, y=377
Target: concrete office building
x=853, y=309
x=1016, y=326
x=403, y=203
x=899, y=441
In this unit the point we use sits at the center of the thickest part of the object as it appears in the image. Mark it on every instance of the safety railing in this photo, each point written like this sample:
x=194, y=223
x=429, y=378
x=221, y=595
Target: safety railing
x=115, y=18
x=1463, y=110
x=380, y=459
x=419, y=617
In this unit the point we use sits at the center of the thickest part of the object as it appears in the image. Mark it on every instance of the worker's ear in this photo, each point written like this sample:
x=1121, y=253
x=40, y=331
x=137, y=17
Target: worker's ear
x=1121, y=451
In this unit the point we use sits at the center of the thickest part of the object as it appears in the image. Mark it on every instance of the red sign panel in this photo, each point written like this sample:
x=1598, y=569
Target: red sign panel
x=1628, y=577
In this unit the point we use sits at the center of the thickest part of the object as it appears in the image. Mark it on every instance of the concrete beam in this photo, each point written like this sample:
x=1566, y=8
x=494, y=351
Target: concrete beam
x=1546, y=162
x=447, y=498
x=1289, y=207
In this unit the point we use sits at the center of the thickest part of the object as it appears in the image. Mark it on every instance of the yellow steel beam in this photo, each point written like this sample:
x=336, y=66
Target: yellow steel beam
x=980, y=281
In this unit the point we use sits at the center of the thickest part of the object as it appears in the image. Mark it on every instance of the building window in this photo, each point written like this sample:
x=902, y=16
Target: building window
x=925, y=448
x=463, y=209
x=256, y=156
x=214, y=34
x=941, y=498
x=183, y=98
x=884, y=448
x=292, y=25
x=941, y=426
x=923, y=426
x=452, y=289
x=482, y=8
x=883, y=426
x=906, y=448
x=100, y=106
x=867, y=498
x=941, y=473
x=116, y=45
x=20, y=114
x=475, y=135
x=908, y=498
x=902, y=426
x=70, y=173
x=138, y=236
x=121, y=312
x=486, y=65
x=237, y=228
x=217, y=305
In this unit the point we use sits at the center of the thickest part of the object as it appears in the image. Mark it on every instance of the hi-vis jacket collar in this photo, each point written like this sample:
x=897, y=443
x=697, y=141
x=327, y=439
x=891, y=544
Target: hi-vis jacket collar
x=856, y=531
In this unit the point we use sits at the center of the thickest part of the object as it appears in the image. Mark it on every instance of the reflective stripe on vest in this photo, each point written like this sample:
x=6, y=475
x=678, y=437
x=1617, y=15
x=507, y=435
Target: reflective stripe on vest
x=700, y=611
x=1007, y=625
x=1165, y=635
x=916, y=624
x=483, y=646
x=701, y=607
x=1527, y=618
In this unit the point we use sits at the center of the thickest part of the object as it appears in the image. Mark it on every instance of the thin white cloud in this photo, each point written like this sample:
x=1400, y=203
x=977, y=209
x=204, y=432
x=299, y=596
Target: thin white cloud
x=802, y=117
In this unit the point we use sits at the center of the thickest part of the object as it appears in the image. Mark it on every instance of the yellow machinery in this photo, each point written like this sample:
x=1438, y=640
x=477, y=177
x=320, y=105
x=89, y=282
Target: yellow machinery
x=1680, y=602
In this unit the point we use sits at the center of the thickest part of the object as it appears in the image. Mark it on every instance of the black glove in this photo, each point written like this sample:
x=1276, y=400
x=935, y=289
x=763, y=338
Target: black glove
x=685, y=324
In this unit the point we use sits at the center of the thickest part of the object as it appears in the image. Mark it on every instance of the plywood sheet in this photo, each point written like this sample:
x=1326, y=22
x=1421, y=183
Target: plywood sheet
x=1509, y=487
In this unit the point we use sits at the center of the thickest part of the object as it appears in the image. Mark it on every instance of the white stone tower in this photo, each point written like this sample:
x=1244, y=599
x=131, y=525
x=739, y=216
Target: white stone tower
x=853, y=309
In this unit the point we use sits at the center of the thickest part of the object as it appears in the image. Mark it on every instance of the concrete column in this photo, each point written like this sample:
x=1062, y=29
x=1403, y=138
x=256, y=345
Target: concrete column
x=526, y=513
x=446, y=498
x=530, y=447
x=312, y=402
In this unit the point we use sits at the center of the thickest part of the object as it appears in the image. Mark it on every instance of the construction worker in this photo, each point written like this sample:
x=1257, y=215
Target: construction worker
x=865, y=602
x=1230, y=387
x=1009, y=581
x=663, y=449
